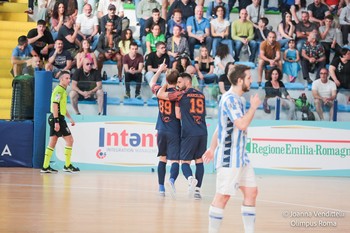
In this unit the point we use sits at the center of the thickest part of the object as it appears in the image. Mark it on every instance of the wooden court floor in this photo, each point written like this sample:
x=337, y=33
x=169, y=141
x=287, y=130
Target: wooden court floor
x=99, y=201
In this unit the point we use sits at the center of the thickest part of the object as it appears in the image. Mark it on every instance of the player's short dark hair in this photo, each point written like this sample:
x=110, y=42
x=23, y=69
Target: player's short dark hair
x=171, y=76
x=41, y=22
x=237, y=72
x=63, y=72
x=185, y=75
x=155, y=10
x=22, y=40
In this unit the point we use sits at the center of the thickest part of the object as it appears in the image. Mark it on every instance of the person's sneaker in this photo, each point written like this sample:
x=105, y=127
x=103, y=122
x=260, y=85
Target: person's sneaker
x=308, y=80
x=171, y=186
x=138, y=97
x=161, y=190
x=29, y=11
x=197, y=195
x=192, y=182
x=48, y=170
x=70, y=168
x=127, y=96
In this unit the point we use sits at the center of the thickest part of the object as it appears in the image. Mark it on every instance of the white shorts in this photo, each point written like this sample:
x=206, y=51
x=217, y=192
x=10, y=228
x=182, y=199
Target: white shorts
x=229, y=179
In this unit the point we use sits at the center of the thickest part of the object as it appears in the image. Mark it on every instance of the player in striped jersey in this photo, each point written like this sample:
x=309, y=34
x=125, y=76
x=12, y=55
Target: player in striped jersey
x=228, y=144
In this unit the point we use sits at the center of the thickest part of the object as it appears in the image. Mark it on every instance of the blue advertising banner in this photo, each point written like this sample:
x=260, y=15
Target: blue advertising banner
x=16, y=143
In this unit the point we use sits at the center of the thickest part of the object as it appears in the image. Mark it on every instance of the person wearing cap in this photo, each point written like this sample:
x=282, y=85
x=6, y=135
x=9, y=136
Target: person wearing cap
x=312, y=57
x=112, y=17
x=21, y=56
x=41, y=39
x=104, y=6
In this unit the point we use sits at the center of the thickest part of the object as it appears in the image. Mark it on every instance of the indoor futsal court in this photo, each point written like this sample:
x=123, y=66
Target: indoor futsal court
x=107, y=201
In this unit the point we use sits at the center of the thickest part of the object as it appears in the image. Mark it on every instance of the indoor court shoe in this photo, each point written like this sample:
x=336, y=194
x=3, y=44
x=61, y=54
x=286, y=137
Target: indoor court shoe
x=48, y=170
x=192, y=182
x=161, y=191
x=71, y=169
x=172, y=189
x=197, y=195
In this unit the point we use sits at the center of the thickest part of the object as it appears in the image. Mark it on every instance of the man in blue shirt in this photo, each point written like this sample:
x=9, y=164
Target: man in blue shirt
x=198, y=29
x=22, y=55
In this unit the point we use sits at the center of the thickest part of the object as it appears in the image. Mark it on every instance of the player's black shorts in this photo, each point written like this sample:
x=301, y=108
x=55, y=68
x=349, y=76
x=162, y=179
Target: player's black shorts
x=64, y=130
x=169, y=145
x=193, y=147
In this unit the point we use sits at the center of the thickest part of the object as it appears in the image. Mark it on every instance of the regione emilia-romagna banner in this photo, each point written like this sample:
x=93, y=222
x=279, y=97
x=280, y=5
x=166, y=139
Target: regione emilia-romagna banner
x=299, y=148
x=119, y=143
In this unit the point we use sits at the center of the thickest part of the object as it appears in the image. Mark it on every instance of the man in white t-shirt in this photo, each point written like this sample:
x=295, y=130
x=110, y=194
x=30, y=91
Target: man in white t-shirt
x=253, y=12
x=88, y=26
x=324, y=92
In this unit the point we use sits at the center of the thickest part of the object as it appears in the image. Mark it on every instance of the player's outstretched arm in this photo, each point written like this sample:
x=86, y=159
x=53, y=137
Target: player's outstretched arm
x=155, y=77
x=209, y=154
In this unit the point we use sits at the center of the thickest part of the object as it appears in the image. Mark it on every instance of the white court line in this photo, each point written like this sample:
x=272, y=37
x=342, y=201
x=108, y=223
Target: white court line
x=150, y=191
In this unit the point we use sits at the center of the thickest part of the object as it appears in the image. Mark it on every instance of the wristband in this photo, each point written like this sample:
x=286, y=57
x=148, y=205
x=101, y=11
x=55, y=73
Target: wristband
x=56, y=120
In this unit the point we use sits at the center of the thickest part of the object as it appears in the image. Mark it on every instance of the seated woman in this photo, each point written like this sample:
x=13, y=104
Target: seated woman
x=57, y=17
x=224, y=83
x=153, y=37
x=205, y=68
x=182, y=62
x=85, y=52
x=286, y=30
x=221, y=59
x=176, y=45
x=219, y=28
x=274, y=88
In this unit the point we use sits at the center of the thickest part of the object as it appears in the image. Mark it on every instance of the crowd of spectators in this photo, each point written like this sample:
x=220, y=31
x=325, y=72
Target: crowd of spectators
x=69, y=32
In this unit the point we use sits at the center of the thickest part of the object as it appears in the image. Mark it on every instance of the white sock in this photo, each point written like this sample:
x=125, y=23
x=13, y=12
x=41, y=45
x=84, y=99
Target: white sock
x=215, y=218
x=248, y=216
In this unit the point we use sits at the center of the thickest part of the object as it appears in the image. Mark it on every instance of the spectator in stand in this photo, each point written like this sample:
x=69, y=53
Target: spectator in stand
x=103, y=7
x=125, y=41
x=155, y=20
x=329, y=35
x=312, y=57
x=21, y=56
x=68, y=35
x=153, y=61
x=82, y=3
x=222, y=57
x=291, y=58
x=187, y=8
x=71, y=7
x=340, y=69
x=144, y=12
x=297, y=9
x=224, y=83
x=255, y=12
x=59, y=59
x=86, y=52
x=87, y=24
x=198, y=29
x=183, y=62
x=303, y=30
x=36, y=65
x=204, y=64
x=260, y=33
x=111, y=16
x=86, y=84
x=57, y=18
x=344, y=21
x=270, y=55
x=41, y=39
x=212, y=9
x=219, y=28
x=154, y=37
x=285, y=30
x=242, y=34
x=324, y=93
x=318, y=11
x=334, y=6
x=176, y=45
x=274, y=88
x=176, y=20
x=108, y=48
x=133, y=66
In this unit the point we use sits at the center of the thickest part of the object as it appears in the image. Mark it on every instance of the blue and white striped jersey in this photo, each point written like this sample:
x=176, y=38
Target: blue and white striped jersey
x=230, y=151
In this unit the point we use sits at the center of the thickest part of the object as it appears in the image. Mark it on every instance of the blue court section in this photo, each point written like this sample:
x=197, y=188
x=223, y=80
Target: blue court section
x=152, y=102
x=133, y=102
